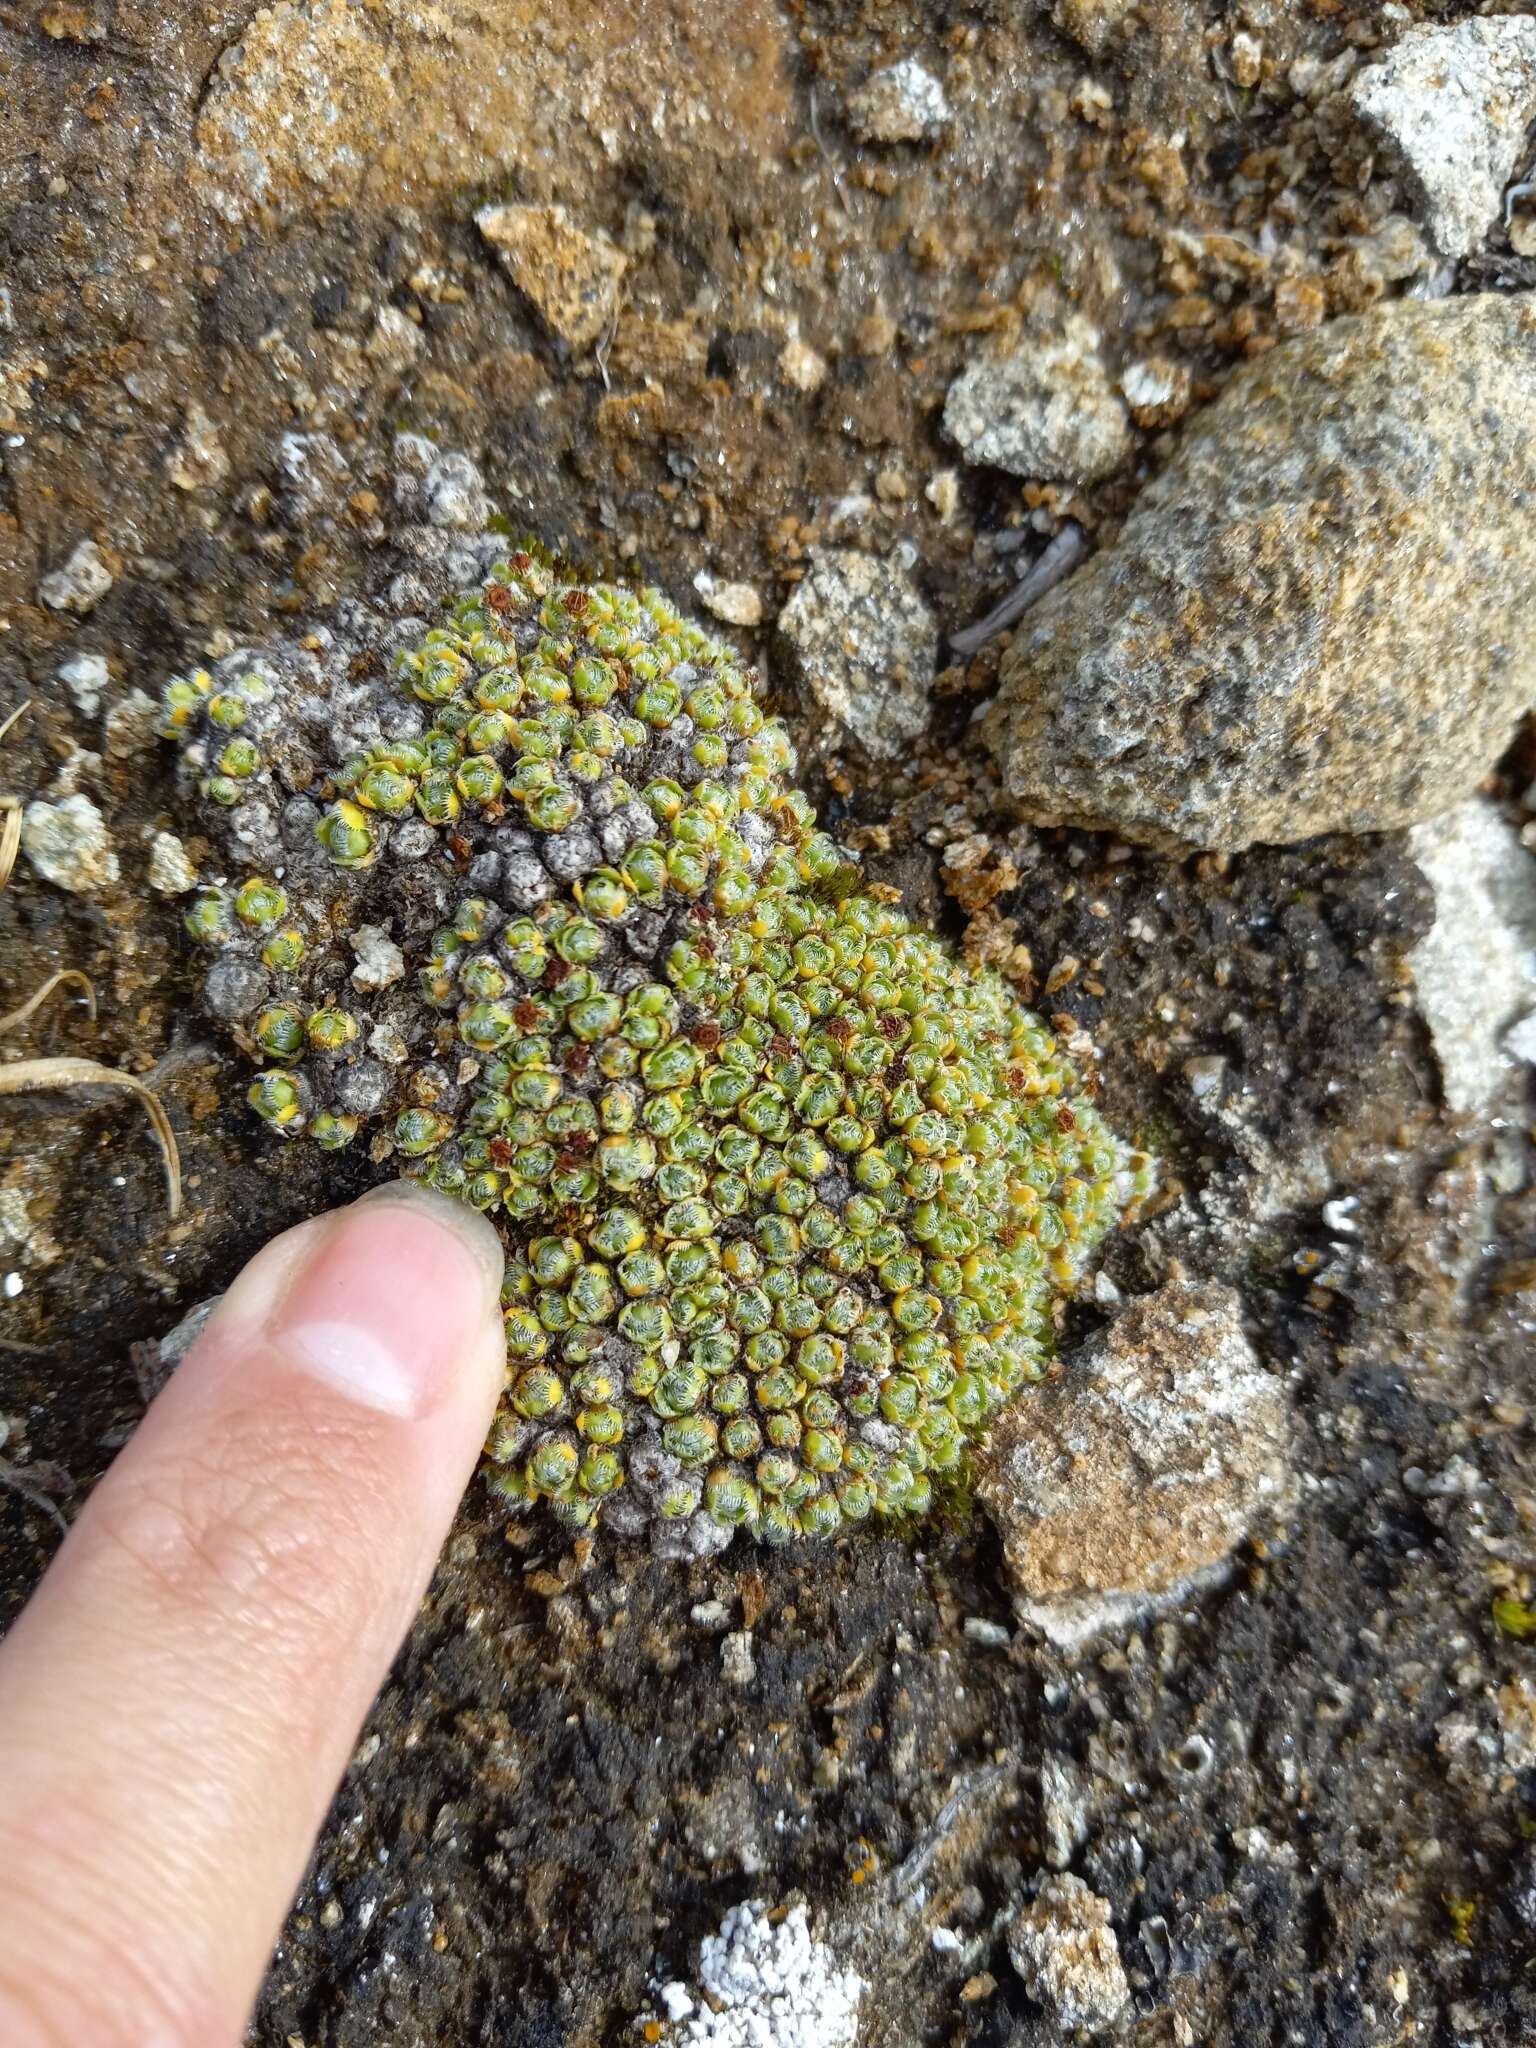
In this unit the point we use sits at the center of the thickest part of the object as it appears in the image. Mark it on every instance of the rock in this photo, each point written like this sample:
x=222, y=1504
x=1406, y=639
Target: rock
x=199, y=462
x=857, y=634
x=1045, y=409
x=737, y=1664
x=1157, y=390
x=766, y=1983
x=380, y=962
x=319, y=106
x=1124, y=1486
x=569, y=277
x=69, y=845
x=737, y=603
x=801, y=367
x=82, y=582
x=1474, y=970
x=1451, y=106
x=1516, y=1704
x=902, y=103
x=453, y=494
x=1064, y=1949
x=85, y=676
x=1318, y=617
x=395, y=341
x=131, y=725
x=942, y=491
x=1063, y=1810
x=171, y=869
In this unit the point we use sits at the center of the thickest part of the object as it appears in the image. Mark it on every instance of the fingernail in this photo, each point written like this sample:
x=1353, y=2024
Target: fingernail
x=395, y=1302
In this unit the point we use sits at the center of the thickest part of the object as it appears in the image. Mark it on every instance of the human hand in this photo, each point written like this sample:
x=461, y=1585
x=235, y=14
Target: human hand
x=181, y=1695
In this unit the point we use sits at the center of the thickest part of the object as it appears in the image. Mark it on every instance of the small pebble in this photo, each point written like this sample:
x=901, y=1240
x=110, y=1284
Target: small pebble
x=736, y=1659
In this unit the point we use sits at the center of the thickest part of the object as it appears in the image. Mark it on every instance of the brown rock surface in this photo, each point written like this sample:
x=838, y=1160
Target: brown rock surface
x=331, y=102
x=1127, y=1483
x=1319, y=617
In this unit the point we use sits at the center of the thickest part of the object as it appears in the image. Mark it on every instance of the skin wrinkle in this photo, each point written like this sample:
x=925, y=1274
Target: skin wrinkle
x=75, y=1956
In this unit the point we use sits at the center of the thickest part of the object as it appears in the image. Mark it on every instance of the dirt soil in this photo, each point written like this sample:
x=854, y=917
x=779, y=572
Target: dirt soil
x=1297, y=1805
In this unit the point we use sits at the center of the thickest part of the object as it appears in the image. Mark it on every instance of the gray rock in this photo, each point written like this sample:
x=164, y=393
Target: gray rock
x=1125, y=1485
x=1318, y=618
x=1451, y=106
x=1475, y=968
x=380, y=962
x=1063, y=1809
x=1065, y=1950
x=69, y=845
x=80, y=584
x=857, y=635
x=86, y=677
x=902, y=103
x=1048, y=408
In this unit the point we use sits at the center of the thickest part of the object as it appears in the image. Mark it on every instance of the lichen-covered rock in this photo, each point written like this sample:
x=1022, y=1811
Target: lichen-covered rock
x=79, y=584
x=1319, y=617
x=902, y=103
x=1474, y=971
x=570, y=278
x=69, y=845
x=764, y=1982
x=787, y=1194
x=1451, y=105
x=857, y=635
x=1046, y=407
x=1065, y=1950
x=86, y=677
x=1130, y=1479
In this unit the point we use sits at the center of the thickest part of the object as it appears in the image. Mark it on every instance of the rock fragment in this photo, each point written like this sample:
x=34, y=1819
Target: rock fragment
x=171, y=869
x=380, y=962
x=858, y=635
x=199, y=461
x=801, y=367
x=69, y=845
x=1317, y=618
x=902, y=103
x=1125, y=1485
x=1474, y=970
x=738, y=604
x=570, y=278
x=1047, y=408
x=1451, y=105
x=85, y=676
x=1065, y=1950
x=80, y=584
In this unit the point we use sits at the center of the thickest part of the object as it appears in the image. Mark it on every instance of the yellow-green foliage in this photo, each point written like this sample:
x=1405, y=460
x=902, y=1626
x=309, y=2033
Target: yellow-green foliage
x=787, y=1191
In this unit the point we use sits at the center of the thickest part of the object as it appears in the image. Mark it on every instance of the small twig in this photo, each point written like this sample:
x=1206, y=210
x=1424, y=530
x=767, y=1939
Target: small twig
x=25, y=1077
x=10, y=806
x=10, y=837
x=35, y=1001
x=969, y=1786
x=834, y=170
x=1043, y=574
x=33, y=1496
x=19, y=713
x=17, y=1481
